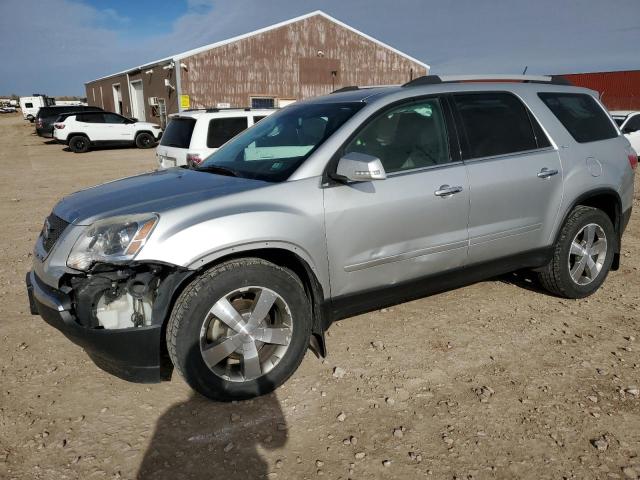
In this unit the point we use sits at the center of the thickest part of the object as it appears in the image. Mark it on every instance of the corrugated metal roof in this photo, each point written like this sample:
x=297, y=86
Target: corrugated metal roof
x=204, y=48
x=618, y=90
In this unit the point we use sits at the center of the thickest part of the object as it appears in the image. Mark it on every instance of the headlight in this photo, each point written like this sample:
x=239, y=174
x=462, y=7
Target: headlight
x=114, y=239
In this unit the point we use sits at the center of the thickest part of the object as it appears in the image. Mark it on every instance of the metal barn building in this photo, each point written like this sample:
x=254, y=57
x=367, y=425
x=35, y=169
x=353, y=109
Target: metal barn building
x=306, y=56
x=618, y=90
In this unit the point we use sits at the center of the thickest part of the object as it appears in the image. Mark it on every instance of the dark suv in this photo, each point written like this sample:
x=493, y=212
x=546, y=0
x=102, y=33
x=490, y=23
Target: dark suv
x=48, y=115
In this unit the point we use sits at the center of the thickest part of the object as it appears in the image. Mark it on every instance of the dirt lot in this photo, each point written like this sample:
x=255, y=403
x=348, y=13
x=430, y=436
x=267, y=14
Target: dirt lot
x=496, y=380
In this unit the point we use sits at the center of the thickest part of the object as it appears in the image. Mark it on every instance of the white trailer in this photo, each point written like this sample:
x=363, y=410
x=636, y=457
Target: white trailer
x=71, y=103
x=31, y=105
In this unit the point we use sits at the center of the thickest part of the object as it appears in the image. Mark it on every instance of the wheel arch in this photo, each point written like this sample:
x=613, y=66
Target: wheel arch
x=607, y=200
x=138, y=132
x=292, y=258
x=77, y=134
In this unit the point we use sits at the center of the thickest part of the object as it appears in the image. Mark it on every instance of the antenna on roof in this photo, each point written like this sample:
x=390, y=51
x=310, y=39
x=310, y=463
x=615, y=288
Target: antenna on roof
x=525, y=69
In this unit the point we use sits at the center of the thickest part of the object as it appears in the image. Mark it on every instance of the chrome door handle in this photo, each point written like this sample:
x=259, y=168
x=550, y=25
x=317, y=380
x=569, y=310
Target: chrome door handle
x=546, y=173
x=446, y=190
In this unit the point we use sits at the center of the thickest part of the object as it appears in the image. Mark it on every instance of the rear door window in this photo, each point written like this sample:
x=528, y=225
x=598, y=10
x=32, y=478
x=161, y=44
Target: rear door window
x=581, y=115
x=496, y=123
x=90, y=117
x=28, y=105
x=178, y=132
x=114, y=118
x=221, y=130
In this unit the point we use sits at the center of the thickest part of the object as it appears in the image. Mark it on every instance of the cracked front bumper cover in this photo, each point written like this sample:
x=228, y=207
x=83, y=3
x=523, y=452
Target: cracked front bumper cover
x=133, y=354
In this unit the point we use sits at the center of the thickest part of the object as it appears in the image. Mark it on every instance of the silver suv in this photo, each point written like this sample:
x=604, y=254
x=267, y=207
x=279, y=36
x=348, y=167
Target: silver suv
x=328, y=208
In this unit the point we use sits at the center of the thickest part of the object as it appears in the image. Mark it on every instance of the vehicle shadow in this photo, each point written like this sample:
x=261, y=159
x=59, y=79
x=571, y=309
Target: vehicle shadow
x=202, y=439
x=111, y=147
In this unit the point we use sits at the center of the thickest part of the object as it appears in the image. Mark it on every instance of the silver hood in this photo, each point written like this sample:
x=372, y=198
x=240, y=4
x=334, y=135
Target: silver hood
x=157, y=192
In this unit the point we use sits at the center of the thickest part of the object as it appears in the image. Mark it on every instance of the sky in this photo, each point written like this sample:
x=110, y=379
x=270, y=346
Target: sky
x=55, y=46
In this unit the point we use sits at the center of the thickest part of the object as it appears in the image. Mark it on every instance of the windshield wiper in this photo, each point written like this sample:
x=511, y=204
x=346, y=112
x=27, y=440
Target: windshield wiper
x=217, y=169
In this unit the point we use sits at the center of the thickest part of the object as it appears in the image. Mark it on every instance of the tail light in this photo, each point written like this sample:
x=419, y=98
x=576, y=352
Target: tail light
x=39, y=122
x=59, y=126
x=194, y=159
x=633, y=160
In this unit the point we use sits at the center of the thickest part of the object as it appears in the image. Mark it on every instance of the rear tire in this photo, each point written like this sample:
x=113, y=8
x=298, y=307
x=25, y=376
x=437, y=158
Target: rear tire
x=79, y=144
x=224, y=360
x=145, y=140
x=582, y=256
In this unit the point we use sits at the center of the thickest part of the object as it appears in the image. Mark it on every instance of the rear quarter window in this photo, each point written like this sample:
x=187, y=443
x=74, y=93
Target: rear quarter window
x=581, y=115
x=90, y=117
x=178, y=132
x=221, y=130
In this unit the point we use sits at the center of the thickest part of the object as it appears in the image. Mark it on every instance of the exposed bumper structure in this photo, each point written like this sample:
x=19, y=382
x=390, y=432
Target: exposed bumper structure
x=133, y=354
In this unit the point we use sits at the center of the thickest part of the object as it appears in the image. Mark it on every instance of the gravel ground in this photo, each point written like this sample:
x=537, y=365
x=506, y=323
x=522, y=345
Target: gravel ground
x=495, y=380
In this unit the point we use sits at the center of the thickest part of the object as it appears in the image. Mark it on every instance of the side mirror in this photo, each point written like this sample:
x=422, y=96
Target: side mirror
x=360, y=167
x=133, y=119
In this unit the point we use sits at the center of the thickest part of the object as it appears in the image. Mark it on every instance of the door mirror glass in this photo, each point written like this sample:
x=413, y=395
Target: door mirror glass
x=360, y=167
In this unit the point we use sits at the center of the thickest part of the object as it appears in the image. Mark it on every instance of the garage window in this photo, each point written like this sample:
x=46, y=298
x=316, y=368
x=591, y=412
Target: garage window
x=263, y=102
x=221, y=130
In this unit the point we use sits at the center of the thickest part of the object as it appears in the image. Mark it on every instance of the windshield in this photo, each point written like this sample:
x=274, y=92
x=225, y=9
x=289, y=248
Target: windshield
x=276, y=146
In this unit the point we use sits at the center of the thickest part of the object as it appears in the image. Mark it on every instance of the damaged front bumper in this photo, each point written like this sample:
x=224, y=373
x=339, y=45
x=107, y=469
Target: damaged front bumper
x=135, y=354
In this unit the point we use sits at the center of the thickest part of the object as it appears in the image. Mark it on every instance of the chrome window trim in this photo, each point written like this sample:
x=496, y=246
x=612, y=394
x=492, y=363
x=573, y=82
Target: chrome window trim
x=513, y=154
x=399, y=173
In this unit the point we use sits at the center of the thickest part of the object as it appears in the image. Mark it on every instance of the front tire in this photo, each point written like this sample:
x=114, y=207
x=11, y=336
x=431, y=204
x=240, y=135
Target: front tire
x=79, y=144
x=240, y=329
x=582, y=256
x=145, y=140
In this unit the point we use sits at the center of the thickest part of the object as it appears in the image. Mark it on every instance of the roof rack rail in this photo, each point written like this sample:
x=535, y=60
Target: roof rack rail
x=346, y=89
x=218, y=109
x=436, y=79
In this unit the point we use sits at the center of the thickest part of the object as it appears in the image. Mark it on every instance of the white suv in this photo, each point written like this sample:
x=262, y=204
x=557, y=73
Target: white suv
x=629, y=123
x=193, y=135
x=80, y=131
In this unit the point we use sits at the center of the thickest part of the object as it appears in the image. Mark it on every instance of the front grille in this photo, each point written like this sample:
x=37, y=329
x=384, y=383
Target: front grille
x=51, y=231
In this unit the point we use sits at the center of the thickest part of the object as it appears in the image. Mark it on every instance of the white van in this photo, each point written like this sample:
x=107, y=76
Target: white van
x=31, y=105
x=193, y=135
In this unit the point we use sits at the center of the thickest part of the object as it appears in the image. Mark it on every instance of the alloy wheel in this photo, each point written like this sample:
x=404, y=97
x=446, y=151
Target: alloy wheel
x=587, y=254
x=246, y=333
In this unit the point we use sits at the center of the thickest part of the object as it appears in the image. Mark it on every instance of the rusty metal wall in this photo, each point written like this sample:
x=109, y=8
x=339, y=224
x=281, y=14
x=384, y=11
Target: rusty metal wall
x=286, y=63
x=618, y=90
x=153, y=85
x=106, y=100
